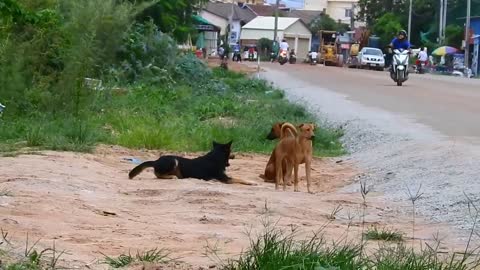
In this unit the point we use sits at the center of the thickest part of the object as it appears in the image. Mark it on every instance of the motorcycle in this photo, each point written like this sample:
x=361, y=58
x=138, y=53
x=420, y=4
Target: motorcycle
x=399, y=72
x=420, y=67
x=282, y=58
x=293, y=58
x=313, y=59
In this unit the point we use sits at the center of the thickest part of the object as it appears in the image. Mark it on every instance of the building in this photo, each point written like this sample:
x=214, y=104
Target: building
x=293, y=30
x=253, y=2
x=339, y=10
x=307, y=16
x=224, y=15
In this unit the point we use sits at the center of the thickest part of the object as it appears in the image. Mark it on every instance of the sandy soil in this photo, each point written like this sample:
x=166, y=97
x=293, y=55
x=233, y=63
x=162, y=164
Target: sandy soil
x=86, y=205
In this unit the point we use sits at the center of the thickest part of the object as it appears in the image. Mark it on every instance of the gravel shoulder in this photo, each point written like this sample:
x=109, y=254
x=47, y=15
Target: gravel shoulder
x=398, y=150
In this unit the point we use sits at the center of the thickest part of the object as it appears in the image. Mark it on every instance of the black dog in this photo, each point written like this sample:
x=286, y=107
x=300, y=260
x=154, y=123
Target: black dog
x=208, y=167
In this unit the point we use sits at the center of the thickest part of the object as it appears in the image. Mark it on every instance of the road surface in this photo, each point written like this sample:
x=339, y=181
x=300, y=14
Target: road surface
x=449, y=105
x=425, y=134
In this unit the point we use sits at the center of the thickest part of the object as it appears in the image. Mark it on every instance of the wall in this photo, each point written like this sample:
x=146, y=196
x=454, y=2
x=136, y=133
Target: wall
x=315, y=4
x=336, y=10
x=475, y=25
x=215, y=20
x=256, y=34
x=299, y=29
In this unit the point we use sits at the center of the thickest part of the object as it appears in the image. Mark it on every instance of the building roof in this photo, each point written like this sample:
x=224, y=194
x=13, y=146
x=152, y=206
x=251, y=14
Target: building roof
x=263, y=10
x=307, y=16
x=268, y=23
x=224, y=10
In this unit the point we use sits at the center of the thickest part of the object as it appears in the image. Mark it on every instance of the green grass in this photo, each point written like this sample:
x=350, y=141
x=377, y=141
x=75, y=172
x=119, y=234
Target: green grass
x=275, y=249
x=374, y=233
x=150, y=256
x=178, y=118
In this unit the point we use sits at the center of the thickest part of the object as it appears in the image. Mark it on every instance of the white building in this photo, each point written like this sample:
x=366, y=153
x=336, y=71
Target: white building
x=337, y=9
x=293, y=30
x=221, y=14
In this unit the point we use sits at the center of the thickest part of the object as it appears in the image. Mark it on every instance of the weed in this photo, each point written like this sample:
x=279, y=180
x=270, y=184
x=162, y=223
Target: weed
x=152, y=256
x=335, y=211
x=373, y=233
x=413, y=198
x=34, y=137
x=120, y=261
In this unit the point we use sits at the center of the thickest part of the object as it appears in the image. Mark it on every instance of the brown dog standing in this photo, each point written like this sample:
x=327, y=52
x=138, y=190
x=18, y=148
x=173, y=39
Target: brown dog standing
x=294, y=150
x=276, y=133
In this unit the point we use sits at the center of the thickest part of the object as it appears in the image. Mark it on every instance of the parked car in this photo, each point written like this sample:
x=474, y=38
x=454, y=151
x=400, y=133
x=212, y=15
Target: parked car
x=371, y=58
x=246, y=52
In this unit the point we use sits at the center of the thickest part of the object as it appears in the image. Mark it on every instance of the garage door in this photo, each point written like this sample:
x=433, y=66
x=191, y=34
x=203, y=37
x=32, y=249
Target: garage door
x=291, y=42
x=303, y=48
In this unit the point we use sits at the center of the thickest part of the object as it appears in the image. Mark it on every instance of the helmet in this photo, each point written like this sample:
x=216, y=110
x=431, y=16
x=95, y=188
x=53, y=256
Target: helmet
x=402, y=32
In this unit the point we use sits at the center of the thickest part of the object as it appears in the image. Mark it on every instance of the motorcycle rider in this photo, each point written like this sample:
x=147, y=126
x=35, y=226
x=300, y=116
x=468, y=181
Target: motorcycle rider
x=422, y=58
x=284, y=45
x=236, y=52
x=312, y=55
x=399, y=42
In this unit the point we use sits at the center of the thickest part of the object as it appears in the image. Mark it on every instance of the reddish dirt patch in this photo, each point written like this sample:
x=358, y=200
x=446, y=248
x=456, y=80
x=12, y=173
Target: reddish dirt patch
x=88, y=206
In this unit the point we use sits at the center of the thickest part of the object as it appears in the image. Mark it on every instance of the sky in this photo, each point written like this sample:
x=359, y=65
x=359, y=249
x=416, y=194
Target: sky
x=289, y=3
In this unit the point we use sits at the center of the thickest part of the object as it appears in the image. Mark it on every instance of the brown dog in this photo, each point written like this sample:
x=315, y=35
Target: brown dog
x=276, y=133
x=294, y=150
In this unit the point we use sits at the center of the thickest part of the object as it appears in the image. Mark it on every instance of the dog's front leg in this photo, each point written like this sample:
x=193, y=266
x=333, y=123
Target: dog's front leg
x=295, y=175
x=308, y=170
x=288, y=173
x=279, y=173
x=230, y=180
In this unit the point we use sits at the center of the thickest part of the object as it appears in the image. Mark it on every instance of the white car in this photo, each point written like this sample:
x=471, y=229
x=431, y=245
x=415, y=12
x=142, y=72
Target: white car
x=372, y=58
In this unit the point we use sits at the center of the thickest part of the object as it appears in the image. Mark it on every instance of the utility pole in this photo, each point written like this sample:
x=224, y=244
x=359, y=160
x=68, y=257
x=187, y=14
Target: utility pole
x=445, y=6
x=467, y=34
x=352, y=17
x=276, y=21
x=409, y=20
x=440, y=24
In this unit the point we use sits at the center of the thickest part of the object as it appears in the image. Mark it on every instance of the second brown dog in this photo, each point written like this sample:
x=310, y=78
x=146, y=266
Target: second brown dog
x=294, y=150
x=276, y=133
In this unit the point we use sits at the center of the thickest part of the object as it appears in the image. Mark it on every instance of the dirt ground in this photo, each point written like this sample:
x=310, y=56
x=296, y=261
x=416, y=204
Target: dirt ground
x=233, y=66
x=86, y=205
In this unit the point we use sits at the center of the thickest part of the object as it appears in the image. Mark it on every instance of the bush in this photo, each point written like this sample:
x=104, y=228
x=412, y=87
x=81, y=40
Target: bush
x=146, y=54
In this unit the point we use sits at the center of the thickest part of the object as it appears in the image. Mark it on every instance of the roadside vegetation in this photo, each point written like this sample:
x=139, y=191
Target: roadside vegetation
x=142, y=92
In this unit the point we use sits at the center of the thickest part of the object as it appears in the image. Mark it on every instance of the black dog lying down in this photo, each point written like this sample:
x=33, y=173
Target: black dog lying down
x=208, y=167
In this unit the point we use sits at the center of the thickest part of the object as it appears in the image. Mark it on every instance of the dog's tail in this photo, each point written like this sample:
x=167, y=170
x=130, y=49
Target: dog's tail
x=291, y=128
x=137, y=170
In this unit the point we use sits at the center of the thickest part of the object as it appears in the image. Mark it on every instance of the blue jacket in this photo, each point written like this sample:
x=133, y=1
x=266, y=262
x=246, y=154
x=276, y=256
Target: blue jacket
x=400, y=44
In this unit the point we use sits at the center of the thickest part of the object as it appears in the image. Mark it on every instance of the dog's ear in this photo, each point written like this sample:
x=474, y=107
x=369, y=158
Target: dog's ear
x=229, y=144
x=314, y=126
x=301, y=125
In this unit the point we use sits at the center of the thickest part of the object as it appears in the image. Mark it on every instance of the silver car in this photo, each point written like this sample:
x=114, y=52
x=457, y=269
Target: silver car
x=372, y=58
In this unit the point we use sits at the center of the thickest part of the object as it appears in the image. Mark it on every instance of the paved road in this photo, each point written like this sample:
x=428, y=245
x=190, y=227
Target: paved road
x=449, y=105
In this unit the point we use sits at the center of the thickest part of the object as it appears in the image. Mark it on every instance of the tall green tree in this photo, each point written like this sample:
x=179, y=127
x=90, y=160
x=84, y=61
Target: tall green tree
x=171, y=16
x=454, y=35
x=325, y=22
x=371, y=10
x=387, y=27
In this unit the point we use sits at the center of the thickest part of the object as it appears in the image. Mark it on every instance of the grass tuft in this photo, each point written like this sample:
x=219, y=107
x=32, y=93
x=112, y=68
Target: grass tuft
x=373, y=233
x=150, y=256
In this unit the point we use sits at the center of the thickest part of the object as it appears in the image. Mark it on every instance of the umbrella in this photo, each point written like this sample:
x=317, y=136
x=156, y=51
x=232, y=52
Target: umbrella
x=441, y=51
